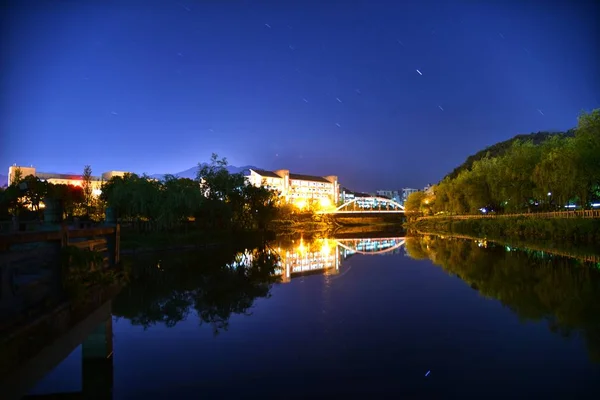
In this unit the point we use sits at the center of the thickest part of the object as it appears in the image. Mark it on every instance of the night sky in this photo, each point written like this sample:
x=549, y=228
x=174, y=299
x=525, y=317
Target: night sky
x=383, y=94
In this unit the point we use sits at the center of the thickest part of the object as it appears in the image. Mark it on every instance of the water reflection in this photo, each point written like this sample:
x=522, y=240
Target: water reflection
x=325, y=256
x=319, y=328
x=213, y=286
x=535, y=284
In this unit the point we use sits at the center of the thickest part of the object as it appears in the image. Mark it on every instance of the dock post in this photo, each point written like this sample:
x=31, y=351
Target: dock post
x=113, y=246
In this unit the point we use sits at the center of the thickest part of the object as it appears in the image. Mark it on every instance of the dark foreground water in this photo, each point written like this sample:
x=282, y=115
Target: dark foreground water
x=389, y=318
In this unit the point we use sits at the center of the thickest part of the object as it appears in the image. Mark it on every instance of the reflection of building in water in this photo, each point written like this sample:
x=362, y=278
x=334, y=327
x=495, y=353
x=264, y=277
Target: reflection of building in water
x=320, y=256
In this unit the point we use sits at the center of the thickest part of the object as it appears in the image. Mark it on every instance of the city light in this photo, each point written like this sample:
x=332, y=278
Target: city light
x=300, y=203
x=326, y=247
x=325, y=202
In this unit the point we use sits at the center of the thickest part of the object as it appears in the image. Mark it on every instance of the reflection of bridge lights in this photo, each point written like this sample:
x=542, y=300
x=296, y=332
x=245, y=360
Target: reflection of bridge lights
x=371, y=246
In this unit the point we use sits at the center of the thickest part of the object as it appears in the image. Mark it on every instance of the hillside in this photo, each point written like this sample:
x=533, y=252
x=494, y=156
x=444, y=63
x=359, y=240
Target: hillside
x=500, y=148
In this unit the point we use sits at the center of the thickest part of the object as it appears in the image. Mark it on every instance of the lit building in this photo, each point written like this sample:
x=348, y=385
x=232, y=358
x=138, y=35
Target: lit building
x=407, y=192
x=347, y=195
x=390, y=194
x=63, y=179
x=297, y=188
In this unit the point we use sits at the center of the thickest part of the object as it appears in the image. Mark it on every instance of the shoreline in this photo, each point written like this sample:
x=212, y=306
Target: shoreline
x=570, y=235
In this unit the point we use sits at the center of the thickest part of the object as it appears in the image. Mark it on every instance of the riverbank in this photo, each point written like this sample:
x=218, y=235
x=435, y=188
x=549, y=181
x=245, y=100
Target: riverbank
x=563, y=232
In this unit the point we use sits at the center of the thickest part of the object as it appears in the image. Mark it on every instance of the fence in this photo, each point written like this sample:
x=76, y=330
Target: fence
x=552, y=214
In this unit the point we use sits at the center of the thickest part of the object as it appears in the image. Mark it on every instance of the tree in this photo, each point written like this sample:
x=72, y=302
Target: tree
x=587, y=143
x=34, y=191
x=17, y=176
x=70, y=196
x=414, y=201
x=87, y=187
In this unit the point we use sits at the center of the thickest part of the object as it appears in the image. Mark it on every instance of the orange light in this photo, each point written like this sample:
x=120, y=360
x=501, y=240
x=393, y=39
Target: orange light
x=325, y=202
x=300, y=203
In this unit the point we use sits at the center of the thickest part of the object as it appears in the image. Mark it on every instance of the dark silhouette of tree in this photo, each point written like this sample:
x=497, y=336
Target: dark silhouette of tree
x=86, y=185
x=226, y=283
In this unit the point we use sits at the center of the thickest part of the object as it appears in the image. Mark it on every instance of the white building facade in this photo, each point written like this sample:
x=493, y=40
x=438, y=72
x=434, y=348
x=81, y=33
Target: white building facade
x=297, y=187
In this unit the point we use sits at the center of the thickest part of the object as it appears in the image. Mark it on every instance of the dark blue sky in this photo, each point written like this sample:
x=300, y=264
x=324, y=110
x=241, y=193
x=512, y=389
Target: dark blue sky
x=320, y=87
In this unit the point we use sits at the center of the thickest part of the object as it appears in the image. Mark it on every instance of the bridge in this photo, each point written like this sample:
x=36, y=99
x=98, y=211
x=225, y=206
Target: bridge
x=372, y=246
x=362, y=205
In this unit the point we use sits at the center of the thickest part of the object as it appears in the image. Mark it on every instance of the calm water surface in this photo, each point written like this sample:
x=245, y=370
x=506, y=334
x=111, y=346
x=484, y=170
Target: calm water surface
x=423, y=317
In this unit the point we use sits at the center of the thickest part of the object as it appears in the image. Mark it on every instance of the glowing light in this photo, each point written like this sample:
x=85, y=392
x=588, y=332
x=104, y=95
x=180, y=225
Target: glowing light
x=301, y=247
x=76, y=183
x=300, y=203
x=96, y=192
x=326, y=248
x=325, y=202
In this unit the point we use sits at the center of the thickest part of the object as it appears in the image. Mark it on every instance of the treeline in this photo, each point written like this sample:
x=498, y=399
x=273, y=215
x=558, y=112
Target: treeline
x=500, y=148
x=216, y=199
x=26, y=197
x=559, y=290
x=561, y=170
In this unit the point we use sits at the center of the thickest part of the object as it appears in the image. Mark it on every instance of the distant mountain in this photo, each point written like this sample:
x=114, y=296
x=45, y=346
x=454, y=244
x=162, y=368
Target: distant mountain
x=500, y=148
x=191, y=172
x=3, y=180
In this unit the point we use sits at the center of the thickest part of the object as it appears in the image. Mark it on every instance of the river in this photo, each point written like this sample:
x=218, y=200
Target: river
x=387, y=316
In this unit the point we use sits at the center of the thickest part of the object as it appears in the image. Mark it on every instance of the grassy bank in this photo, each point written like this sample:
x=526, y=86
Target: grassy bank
x=554, y=232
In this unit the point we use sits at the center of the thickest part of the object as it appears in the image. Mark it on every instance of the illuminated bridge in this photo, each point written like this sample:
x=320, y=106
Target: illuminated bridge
x=362, y=205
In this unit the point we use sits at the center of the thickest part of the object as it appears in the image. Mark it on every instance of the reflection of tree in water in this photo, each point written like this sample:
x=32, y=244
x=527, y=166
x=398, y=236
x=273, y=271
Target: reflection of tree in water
x=533, y=284
x=216, y=285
